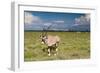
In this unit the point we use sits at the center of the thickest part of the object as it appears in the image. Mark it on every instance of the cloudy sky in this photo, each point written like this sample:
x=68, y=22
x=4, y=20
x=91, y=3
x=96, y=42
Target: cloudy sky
x=34, y=20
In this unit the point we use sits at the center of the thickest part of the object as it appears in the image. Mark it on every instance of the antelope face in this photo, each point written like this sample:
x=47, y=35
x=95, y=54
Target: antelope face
x=43, y=39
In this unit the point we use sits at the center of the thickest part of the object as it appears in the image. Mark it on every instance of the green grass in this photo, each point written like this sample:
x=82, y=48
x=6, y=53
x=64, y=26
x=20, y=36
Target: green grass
x=73, y=45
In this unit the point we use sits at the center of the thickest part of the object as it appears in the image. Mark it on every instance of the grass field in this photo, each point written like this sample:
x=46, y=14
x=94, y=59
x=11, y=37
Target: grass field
x=73, y=45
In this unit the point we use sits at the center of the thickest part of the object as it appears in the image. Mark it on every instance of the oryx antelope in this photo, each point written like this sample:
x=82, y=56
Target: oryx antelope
x=51, y=42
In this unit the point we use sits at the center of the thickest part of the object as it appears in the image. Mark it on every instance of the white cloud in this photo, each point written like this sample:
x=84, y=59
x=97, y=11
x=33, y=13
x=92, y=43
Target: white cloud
x=87, y=16
x=31, y=19
x=47, y=24
x=83, y=20
x=59, y=21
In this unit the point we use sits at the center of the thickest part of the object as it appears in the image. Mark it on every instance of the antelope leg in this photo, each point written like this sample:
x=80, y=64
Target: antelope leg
x=55, y=52
x=49, y=52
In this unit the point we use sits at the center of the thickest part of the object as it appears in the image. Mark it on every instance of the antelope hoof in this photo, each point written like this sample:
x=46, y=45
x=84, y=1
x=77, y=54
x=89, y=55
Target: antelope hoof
x=55, y=54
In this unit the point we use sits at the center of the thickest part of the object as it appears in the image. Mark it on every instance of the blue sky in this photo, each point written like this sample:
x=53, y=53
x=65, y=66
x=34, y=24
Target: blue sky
x=34, y=20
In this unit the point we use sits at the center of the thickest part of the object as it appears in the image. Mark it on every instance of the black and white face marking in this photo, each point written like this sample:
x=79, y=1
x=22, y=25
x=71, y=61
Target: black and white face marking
x=43, y=39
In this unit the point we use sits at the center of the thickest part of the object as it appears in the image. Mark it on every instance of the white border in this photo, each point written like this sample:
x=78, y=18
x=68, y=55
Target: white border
x=17, y=61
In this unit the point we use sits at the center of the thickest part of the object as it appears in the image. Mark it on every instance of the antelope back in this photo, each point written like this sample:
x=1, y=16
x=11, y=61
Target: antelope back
x=51, y=40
